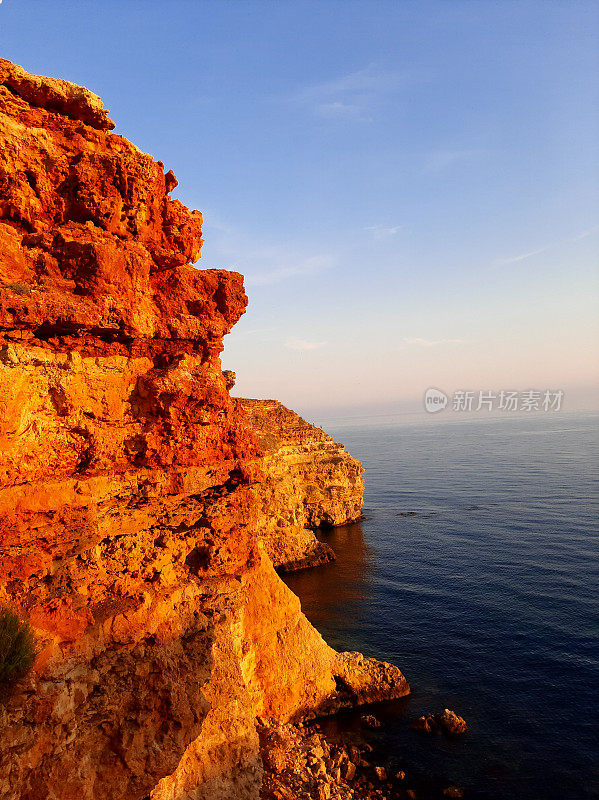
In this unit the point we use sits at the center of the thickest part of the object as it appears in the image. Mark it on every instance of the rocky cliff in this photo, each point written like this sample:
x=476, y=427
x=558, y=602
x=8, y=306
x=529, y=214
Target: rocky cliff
x=311, y=482
x=137, y=503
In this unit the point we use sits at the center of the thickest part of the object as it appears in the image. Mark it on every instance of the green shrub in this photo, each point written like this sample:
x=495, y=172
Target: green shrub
x=19, y=288
x=17, y=646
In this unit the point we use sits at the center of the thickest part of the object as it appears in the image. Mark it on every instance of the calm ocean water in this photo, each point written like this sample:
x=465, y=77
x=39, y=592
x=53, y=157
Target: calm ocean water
x=477, y=572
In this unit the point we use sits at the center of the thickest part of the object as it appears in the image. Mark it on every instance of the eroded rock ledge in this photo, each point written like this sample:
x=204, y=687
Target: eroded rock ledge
x=311, y=482
x=136, y=499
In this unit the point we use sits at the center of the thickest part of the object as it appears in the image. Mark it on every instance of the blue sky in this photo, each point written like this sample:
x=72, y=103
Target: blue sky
x=410, y=189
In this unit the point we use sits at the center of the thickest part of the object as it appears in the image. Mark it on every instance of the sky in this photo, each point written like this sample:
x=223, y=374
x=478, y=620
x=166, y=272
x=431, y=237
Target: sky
x=411, y=189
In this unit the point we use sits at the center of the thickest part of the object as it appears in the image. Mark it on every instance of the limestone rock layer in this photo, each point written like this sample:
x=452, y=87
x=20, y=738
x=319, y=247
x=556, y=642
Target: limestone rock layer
x=138, y=505
x=311, y=482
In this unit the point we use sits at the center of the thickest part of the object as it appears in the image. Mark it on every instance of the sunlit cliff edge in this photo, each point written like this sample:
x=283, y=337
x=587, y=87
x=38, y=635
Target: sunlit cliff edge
x=142, y=507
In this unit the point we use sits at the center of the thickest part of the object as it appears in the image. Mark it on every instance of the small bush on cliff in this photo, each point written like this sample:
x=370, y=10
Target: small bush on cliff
x=17, y=646
x=19, y=288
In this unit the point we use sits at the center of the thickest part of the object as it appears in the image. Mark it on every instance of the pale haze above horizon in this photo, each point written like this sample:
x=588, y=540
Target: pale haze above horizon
x=411, y=189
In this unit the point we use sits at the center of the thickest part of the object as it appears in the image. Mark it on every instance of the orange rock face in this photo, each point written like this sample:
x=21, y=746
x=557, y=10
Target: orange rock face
x=134, y=492
x=311, y=482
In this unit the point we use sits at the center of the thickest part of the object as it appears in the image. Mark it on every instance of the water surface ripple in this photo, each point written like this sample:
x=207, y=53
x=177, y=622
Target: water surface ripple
x=476, y=571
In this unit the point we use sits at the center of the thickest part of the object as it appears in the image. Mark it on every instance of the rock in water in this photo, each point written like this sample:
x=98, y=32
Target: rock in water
x=453, y=792
x=451, y=723
x=445, y=722
x=369, y=721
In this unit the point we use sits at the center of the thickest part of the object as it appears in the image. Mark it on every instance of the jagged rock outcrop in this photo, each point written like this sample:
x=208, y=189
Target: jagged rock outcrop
x=132, y=487
x=311, y=482
x=302, y=763
x=445, y=721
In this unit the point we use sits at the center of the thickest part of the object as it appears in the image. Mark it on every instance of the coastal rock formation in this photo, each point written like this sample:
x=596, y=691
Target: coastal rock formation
x=301, y=763
x=446, y=721
x=311, y=482
x=135, y=495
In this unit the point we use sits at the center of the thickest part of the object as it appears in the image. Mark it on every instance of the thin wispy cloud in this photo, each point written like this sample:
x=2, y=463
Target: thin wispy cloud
x=442, y=160
x=352, y=96
x=382, y=232
x=291, y=266
x=341, y=110
x=415, y=340
x=254, y=331
x=523, y=256
x=303, y=344
x=585, y=234
x=261, y=263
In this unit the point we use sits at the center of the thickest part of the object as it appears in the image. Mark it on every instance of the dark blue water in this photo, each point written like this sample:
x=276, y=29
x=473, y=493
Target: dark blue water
x=477, y=572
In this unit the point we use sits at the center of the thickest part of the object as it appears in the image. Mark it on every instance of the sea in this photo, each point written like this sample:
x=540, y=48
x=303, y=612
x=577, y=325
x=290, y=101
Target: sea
x=476, y=571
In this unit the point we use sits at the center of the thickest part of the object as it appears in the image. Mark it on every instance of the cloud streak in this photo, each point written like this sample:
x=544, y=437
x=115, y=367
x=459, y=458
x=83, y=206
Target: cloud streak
x=523, y=256
x=261, y=263
x=381, y=232
x=290, y=266
x=303, y=345
x=441, y=160
x=414, y=340
x=255, y=331
x=351, y=96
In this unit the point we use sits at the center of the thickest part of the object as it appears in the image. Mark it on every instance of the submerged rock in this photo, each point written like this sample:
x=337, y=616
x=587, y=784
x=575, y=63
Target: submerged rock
x=453, y=792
